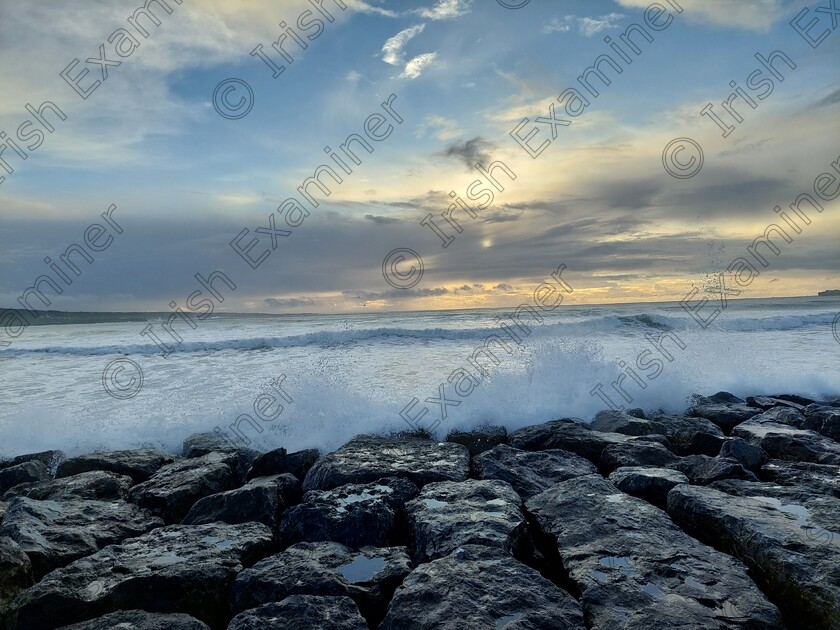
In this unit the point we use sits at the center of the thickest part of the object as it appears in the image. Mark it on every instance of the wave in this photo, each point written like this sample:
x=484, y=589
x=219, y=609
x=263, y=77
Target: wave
x=569, y=328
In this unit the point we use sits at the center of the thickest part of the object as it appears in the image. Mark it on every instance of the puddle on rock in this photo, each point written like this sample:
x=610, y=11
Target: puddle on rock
x=434, y=503
x=622, y=563
x=361, y=568
x=502, y=622
x=653, y=590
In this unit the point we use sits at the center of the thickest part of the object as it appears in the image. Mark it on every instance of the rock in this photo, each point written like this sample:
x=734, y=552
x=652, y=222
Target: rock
x=262, y=499
x=529, y=472
x=140, y=620
x=201, y=444
x=801, y=573
x=769, y=402
x=366, y=458
x=800, y=501
x=650, y=484
x=3, y=507
x=824, y=420
x=179, y=568
x=783, y=442
x=819, y=478
x=625, y=423
x=15, y=571
x=94, y=485
x=139, y=464
x=780, y=415
x=480, y=587
x=449, y=514
x=368, y=576
x=54, y=533
x=278, y=462
x=690, y=436
x=636, y=569
x=50, y=459
x=703, y=470
x=172, y=490
x=479, y=440
x=302, y=612
x=635, y=452
x=724, y=409
x=751, y=457
x=355, y=515
x=25, y=472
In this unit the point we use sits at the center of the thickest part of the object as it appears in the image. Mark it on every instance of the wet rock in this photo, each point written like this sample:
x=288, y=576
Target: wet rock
x=201, y=444
x=355, y=515
x=480, y=587
x=635, y=452
x=819, y=478
x=25, y=472
x=635, y=568
x=172, y=490
x=751, y=457
x=368, y=576
x=54, y=533
x=3, y=507
x=278, y=462
x=15, y=571
x=50, y=459
x=623, y=422
x=690, y=435
x=447, y=515
x=724, y=409
x=650, y=484
x=703, y=470
x=784, y=442
x=824, y=420
x=139, y=464
x=800, y=572
x=366, y=458
x=530, y=472
x=797, y=500
x=262, y=499
x=479, y=440
x=302, y=612
x=94, y=485
x=140, y=620
x=179, y=568
x=780, y=415
x=769, y=402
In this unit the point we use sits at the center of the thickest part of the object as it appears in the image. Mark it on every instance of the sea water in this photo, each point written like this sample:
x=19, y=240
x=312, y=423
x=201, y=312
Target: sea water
x=357, y=373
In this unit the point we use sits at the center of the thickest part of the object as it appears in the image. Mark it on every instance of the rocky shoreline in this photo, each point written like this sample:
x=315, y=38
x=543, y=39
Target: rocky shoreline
x=726, y=517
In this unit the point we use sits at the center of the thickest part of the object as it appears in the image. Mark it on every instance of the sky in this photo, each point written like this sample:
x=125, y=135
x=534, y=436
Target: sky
x=460, y=76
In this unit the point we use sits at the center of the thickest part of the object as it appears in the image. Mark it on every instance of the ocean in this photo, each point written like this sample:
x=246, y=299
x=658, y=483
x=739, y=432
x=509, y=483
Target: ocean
x=302, y=381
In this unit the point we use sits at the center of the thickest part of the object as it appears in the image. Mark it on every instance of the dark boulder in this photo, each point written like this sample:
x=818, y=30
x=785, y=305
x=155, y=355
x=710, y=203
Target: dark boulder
x=447, y=515
x=366, y=458
x=479, y=440
x=50, y=459
x=262, y=499
x=751, y=457
x=15, y=571
x=703, y=470
x=172, y=490
x=650, y=484
x=781, y=441
x=724, y=409
x=635, y=568
x=611, y=421
x=54, y=533
x=819, y=478
x=140, y=620
x=769, y=402
x=139, y=464
x=690, y=435
x=368, y=576
x=93, y=485
x=302, y=612
x=355, y=515
x=25, y=472
x=800, y=572
x=179, y=568
x=278, y=462
x=480, y=587
x=530, y=472
x=824, y=420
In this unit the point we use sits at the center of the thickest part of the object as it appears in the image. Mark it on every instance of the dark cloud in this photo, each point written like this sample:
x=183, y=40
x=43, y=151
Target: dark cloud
x=831, y=99
x=470, y=152
x=380, y=220
x=289, y=302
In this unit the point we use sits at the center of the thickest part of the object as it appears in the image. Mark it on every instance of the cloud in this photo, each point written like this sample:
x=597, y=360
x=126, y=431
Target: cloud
x=289, y=302
x=757, y=15
x=380, y=220
x=392, y=50
x=445, y=10
x=446, y=128
x=471, y=151
x=363, y=7
x=415, y=67
x=586, y=26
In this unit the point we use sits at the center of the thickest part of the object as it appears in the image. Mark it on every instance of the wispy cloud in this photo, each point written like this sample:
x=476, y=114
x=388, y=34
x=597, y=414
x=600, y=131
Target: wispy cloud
x=586, y=26
x=446, y=10
x=392, y=50
x=415, y=67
